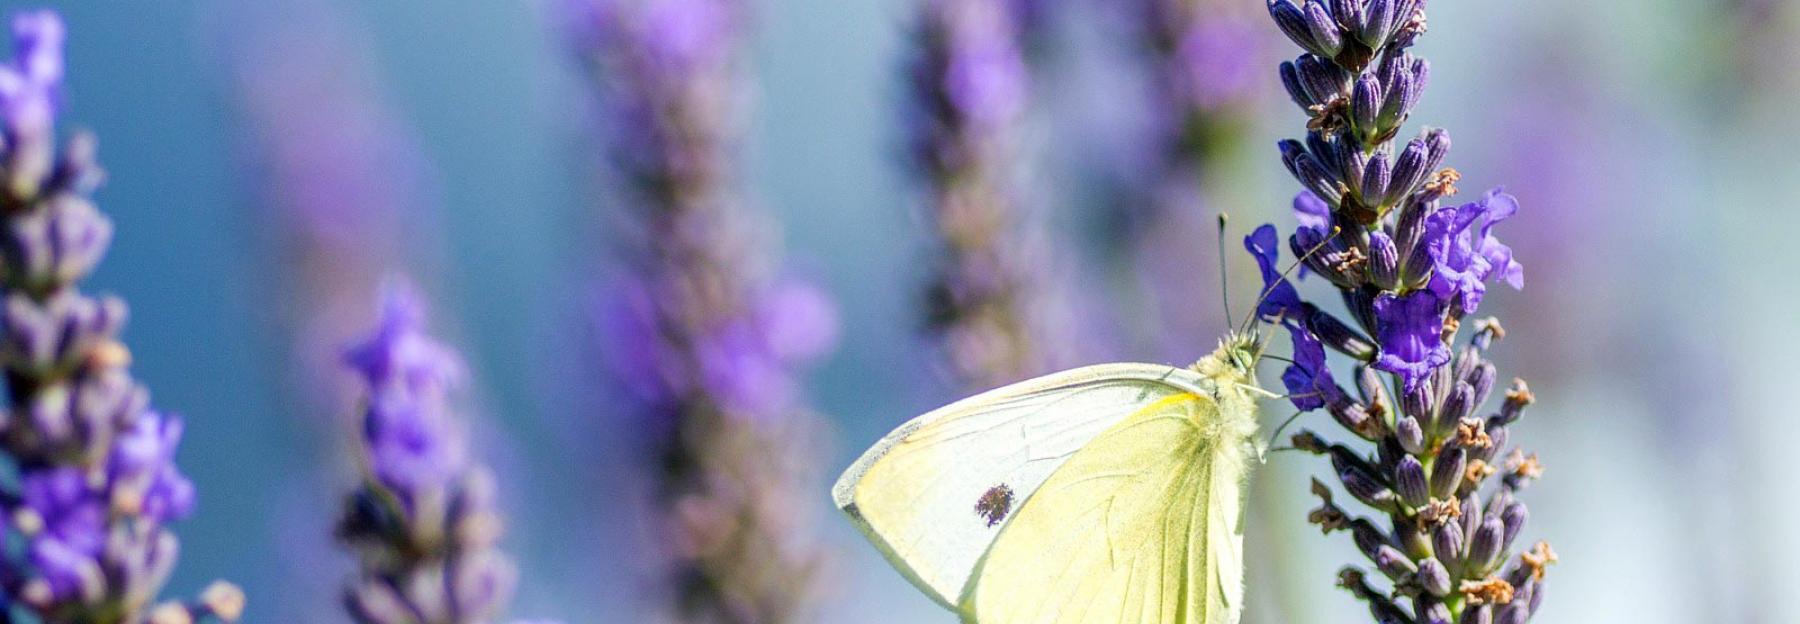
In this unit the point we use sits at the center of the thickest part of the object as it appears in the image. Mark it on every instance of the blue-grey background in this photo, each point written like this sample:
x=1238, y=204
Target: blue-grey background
x=1657, y=326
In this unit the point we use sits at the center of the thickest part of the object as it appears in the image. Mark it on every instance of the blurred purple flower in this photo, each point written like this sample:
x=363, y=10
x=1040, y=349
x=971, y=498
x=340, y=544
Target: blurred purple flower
x=96, y=478
x=701, y=329
x=990, y=306
x=424, y=524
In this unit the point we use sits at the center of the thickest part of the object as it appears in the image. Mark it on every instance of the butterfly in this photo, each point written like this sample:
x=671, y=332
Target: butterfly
x=1108, y=493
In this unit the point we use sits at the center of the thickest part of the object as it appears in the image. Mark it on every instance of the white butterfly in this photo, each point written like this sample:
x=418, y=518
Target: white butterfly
x=1109, y=493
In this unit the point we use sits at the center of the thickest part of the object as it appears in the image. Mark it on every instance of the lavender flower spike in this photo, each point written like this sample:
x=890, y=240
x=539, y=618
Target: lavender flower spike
x=988, y=300
x=96, y=483
x=423, y=523
x=1410, y=272
x=706, y=330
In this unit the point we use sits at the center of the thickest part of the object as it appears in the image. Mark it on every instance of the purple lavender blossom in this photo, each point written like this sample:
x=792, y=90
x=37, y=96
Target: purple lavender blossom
x=423, y=524
x=705, y=332
x=1278, y=298
x=989, y=304
x=1409, y=271
x=344, y=196
x=96, y=481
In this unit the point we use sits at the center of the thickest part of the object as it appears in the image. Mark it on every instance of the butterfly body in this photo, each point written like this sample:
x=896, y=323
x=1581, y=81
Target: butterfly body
x=1108, y=493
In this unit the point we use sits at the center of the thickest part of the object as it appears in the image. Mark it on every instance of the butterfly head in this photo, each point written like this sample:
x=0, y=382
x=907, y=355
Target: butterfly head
x=1234, y=362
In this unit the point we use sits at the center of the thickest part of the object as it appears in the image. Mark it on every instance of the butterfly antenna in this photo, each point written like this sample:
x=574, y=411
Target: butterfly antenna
x=1224, y=275
x=1270, y=289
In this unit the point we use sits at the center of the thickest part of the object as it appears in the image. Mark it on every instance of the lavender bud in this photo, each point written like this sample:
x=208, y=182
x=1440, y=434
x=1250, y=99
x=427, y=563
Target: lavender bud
x=1513, y=613
x=1477, y=614
x=1290, y=80
x=1291, y=151
x=1353, y=416
x=1376, y=178
x=1517, y=399
x=1324, y=28
x=1349, y=15
x=1432, y=576
x=1409, y=476
x=1394, y=564
x=1447, y=474
x=1365, y=105
x=1368, y=539
x=1310, y=172
x=1410, y=434
x=1384, y=261
x=1402, y=89
x=1378, y=20
x=1497, y=434
x=1458, y=406
x=1329, y=153
x=1417, y=403
x=1470, y=514
x=1514, y=518
x=1368, y=384
x=1323, y=79
x=1292, y=21
x=1447, y=544
x=1354, y=162
x=1410, y=170
x=1434, y=613
x=1484, y=546
x=1368, y=489
x=1497, y=503
x=1437, y=141
x=1482, y=381
x=1340, y=337
x=1421, y=76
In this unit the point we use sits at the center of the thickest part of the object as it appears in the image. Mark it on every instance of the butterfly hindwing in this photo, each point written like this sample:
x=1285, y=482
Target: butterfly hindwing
x=936, y=493
x=1141, y=525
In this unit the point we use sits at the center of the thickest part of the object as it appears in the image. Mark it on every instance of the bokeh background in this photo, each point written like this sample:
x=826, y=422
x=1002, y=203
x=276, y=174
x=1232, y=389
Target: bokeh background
x=1650, y=143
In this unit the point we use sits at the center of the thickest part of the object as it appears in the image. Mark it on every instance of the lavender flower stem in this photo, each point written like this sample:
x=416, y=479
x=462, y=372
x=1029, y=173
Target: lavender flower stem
x=1410, y=273
x=705, y=333
x=96, y=482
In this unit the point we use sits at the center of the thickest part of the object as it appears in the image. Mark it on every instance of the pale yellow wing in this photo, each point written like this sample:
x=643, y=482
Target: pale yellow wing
x=1141, y=525
x=915, y=493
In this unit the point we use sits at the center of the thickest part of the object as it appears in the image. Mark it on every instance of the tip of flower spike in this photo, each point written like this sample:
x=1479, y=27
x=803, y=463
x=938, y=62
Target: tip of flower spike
x=399, y=347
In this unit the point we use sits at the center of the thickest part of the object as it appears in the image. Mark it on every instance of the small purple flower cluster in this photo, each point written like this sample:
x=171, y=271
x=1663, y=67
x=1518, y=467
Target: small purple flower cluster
x=1409, y=272
x=707, y=333
x=96, y=481
x=423, y=522
x=986, y=305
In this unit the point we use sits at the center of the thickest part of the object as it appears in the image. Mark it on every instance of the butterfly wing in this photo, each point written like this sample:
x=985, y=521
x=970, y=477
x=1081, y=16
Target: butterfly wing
x=1141, y=525
x=915, y=493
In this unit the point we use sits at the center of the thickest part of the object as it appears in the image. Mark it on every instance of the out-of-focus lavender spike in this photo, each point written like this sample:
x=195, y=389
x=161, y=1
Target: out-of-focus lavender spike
x=94, y=482
x=989, y=305
x=706, y=330
x=423, y=523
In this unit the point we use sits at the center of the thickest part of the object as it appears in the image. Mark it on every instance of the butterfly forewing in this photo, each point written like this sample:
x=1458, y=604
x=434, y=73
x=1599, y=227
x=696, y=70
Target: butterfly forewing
x=935, y=494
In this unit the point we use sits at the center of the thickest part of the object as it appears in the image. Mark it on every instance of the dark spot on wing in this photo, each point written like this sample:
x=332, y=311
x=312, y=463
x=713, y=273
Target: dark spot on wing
x=994, y=504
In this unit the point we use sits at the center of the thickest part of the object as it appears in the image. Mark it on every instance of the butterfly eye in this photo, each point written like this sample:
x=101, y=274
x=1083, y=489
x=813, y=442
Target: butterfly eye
x=994, y=504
